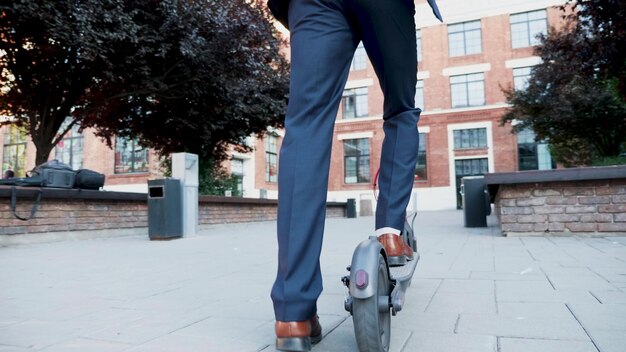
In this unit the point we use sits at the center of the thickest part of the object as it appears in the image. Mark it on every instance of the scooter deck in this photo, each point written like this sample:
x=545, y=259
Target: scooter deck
x=405, y=272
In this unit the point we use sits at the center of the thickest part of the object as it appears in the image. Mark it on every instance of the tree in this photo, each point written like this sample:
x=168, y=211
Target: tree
x=575, y=98
x=194, y=75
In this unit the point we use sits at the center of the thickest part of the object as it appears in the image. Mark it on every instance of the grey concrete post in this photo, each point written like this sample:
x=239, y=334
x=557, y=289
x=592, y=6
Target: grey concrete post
x=185, y=168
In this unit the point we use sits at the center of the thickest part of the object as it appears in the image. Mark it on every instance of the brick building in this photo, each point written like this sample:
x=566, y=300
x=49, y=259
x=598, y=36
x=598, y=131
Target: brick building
x=463, y=65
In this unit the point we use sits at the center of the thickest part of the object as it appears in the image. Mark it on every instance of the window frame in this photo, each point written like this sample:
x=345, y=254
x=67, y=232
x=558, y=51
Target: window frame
x=467, y=36
x=361, y=174
x=72, y=136
x=117, y=165
x=271, y=158
x=473, y=135
x=18, y=164
x=529, y=38
x=467, y=80
x=361, y=106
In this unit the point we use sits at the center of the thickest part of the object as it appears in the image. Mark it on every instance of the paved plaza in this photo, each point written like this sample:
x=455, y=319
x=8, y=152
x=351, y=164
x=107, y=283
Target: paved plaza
x=473, y=291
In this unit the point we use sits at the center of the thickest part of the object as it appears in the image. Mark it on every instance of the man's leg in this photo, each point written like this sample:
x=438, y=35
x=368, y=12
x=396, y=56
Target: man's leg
x=388, y=32
x=322, y=45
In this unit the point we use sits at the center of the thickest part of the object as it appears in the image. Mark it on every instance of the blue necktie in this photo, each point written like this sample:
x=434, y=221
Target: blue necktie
x=433, y=5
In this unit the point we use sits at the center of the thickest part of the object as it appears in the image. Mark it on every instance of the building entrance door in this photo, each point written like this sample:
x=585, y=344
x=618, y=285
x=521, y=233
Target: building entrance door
x=468, y=167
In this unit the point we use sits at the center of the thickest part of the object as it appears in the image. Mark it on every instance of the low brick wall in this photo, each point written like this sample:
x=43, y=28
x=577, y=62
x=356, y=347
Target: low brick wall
x=577, y=207
x=82, y=210
x=220, y=210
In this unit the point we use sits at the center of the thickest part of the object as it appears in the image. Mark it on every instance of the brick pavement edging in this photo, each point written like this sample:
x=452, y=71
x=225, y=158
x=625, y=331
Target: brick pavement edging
x=64, y=210
x=585, y=202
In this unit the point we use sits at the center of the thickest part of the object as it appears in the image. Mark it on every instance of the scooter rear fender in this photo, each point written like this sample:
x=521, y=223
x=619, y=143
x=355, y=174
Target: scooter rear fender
x=365, y=260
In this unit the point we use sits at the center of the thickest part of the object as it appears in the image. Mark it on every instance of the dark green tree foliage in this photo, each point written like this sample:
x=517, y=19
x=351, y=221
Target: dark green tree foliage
x=187, y=75
x=576, y=98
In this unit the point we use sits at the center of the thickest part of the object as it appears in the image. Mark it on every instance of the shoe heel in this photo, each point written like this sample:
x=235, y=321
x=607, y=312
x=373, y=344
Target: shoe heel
x=293, y=344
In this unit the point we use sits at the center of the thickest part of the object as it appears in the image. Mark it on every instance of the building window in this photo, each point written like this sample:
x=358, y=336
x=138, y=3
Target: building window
x=271, y=158
x=14, y=151
x=520, y=77
x=357, y=160
x=421, y=173
x=236, y=168
x=470, y=138
x=526, y=26
x=464, y=38
x=354, y=103
x=69, y=150
x=467, y=90
x=359, y=61
x=419, y=95
x=418, y=42
x=130, y=156
x=532, y=155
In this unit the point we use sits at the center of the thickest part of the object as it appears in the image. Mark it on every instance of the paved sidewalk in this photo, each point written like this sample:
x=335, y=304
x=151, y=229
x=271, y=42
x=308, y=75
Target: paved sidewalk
x=473, y=291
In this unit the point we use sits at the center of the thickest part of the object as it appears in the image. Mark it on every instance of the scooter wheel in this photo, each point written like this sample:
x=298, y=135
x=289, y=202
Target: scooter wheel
x=372, y=322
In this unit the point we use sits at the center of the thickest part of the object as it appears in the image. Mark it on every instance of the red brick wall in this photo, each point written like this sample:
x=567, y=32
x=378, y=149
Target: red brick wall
x=563, y=208
x=57, y=214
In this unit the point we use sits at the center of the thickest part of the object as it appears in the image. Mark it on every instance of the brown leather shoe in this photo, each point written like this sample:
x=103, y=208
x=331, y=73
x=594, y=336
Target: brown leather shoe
x=398, y=252
x=297, y=336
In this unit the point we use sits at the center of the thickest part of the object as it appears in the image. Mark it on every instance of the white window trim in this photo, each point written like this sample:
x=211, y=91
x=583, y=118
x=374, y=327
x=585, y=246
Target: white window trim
x=422, y=75
x=523, y=62
x=361, y=83
x=356, y=135
x=466, y=69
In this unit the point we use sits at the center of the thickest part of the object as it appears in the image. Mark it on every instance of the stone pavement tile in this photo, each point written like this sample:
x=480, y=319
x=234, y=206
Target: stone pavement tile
x=82, y=345
x=615, y=274
x=541, y=345
x=184, y=343
x=216, y=327
x=342, y=339
x=420, y=294
x=609, y=340
x=458, y=302
x=515, y=264
x=142, y=329
x=5, y=348
x=438, y=342
x=541, y=327
x=528, y=274
x=610, y=297
x=482, y=287
x=533, y=309
x=601, y=316
x=34, y=334
x=536, y=291
x=580, y=282
x=443, y=322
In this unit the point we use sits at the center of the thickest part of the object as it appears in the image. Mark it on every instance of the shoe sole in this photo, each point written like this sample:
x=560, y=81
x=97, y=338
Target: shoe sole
x=294, y=344
x=316, y=339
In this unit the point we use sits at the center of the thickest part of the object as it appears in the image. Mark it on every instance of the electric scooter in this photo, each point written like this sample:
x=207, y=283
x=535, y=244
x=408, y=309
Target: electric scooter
x=376, y=290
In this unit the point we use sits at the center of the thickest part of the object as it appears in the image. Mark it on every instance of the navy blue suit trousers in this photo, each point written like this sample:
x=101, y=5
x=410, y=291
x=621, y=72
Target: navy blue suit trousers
x=324, y=36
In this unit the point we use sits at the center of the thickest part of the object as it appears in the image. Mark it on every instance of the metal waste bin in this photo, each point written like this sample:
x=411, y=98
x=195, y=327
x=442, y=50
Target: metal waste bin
x=476, y=201
x=351, y=208
x=165, y=209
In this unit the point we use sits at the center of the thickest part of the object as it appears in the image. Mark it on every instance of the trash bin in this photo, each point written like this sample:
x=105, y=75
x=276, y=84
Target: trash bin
x=476, y=201
x=351, y=208
x=165, y=209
